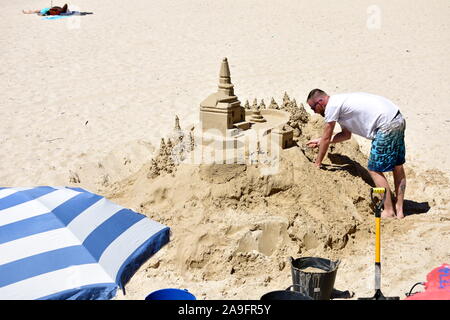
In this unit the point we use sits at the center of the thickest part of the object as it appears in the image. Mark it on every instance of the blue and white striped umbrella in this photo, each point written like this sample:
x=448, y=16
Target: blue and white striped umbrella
x=67, y=243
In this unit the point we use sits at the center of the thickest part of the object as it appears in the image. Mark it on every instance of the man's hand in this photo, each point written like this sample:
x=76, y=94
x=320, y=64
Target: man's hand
x=323, y=142
x=314, y=143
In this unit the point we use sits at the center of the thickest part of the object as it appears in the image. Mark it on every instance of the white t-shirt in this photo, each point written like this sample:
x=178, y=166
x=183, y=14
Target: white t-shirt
x=360, y=113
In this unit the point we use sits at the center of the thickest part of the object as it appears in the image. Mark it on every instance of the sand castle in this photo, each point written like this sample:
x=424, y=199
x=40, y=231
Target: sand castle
x=222, y=110
x=229, y=133
x=224, y=120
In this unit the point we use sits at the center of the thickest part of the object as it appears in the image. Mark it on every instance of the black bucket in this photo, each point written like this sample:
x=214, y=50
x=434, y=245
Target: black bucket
x=285, y=295
x=317, y=285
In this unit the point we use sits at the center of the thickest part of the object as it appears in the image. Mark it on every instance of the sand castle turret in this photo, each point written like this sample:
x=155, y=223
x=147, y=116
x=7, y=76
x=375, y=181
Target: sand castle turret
x=255, y=104
x=162, y=147
x=294, y=103
x=178, y=134
x=222, y=110
x=169, y=146
x=286, y=98
x=177, y=124
x=273, y=104
x=256, y=115
x=191, y=141
x=262, y=104
x=225, y=85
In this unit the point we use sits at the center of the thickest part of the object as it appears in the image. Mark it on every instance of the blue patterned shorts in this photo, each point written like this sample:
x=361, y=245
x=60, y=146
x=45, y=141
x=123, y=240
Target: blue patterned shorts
x=388, y=147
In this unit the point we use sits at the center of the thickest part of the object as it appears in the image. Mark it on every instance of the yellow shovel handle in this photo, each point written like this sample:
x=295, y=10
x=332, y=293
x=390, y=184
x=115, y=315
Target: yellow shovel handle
x=377, y=240
x=379, y=190
x=378, y=226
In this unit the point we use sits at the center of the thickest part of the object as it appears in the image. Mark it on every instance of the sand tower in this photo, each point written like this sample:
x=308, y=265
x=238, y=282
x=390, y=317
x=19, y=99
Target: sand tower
x=226, y=136
x=222, y=110
x=256, y=115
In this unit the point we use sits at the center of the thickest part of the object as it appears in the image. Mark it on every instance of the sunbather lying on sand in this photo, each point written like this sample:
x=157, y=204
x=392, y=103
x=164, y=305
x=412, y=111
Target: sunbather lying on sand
x=53, y=11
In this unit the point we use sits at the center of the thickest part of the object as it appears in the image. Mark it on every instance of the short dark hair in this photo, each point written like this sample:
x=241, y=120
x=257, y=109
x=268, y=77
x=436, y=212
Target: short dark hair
x=314, y=93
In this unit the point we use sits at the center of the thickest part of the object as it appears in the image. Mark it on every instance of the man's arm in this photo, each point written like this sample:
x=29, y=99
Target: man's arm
x=344, y=135
x=325, y=142
x=338, y=137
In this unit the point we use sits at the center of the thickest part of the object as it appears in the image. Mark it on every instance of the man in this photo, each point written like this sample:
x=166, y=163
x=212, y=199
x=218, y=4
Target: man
x=375, y=118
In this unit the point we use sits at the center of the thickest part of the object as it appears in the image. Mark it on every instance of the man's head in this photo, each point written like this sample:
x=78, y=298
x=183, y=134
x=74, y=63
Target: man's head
x=317, y=100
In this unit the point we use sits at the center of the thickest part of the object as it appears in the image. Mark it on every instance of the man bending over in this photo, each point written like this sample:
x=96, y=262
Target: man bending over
x=375, y=118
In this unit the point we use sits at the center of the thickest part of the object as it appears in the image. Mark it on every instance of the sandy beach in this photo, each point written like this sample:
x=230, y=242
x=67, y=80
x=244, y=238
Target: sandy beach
x=86, y=100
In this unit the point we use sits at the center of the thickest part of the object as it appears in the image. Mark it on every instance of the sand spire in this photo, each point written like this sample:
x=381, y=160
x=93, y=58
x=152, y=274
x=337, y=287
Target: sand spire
x=273, y=104
x=255, y=104
x=225, y=84
x=256, y=113
x=222, y=110
x=177, y=123
x=262, y=105
x=162, y=147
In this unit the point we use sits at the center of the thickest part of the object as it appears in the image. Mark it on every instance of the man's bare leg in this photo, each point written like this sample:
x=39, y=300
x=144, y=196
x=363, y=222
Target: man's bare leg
x=381, y=182
x=400, y=187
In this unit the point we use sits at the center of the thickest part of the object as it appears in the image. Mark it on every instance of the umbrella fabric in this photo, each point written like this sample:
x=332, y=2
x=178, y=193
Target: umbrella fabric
x=68, y=243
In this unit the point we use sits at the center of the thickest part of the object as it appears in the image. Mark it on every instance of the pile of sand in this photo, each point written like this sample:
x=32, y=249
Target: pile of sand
x=230, y=220
x=234, y=226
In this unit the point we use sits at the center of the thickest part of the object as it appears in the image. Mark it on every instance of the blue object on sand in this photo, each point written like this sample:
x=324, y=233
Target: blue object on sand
x=170, y=294
x=56, y=17
x=44, y=11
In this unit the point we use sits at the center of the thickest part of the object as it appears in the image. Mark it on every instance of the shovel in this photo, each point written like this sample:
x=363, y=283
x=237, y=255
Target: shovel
x=378, y=206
